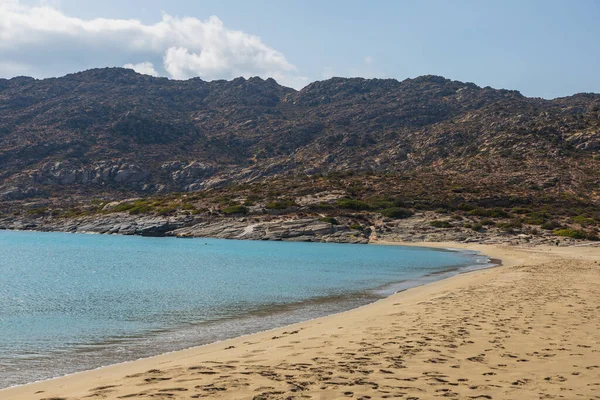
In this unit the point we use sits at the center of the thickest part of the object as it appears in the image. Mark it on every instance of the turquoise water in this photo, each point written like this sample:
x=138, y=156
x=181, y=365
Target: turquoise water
x=75, y=302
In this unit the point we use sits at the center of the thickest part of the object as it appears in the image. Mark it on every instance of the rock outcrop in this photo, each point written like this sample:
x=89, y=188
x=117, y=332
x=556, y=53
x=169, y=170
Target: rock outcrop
x=299, y=230
x=69, y=173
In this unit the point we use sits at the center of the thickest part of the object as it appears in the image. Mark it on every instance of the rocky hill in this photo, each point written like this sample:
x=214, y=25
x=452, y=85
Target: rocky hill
x=345, y=160
x=118, y=133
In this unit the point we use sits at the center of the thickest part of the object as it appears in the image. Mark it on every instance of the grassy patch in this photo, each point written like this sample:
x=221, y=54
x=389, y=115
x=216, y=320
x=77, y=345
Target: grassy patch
x=144, y=206
x=571, y=233
x=188, y=207
x=281, y=204
x=510, y=226
x=236, y=209
x=166, y=210
x=438, y=223
x=397, y=213
x=583, y=220
x=496, y=212
x=329, y=220
x=477, y=227
x=550, y=225
x=352, y=204
x=39, y=211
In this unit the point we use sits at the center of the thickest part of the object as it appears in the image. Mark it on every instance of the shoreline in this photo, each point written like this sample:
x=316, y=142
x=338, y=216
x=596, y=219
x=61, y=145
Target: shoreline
x=235, y=351
x=374, y=295
x=434, y=246
x=284, y=227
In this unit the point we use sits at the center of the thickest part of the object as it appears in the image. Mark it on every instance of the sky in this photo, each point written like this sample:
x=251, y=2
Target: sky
x=543, y=48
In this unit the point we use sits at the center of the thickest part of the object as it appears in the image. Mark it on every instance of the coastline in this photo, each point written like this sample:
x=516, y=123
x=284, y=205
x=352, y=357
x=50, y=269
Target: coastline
x=254, y=350
x=286, y=314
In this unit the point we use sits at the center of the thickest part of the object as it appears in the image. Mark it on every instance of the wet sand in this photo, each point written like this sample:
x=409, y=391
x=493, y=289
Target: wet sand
x=527, y=329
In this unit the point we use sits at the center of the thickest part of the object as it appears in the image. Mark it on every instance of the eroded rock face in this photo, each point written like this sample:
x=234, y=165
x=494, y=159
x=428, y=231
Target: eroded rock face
x=303, y=230
x=15, y=193
x=68, y=173
x=121, y=224
x=296, y=230
x=183, y=175
x=585, y=140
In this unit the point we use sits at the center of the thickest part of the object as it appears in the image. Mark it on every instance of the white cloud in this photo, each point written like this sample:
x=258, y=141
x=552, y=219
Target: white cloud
x=46, y=42
x=146, y=68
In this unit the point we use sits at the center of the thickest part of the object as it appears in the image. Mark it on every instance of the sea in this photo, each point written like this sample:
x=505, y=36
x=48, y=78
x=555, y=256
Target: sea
x=75, y=302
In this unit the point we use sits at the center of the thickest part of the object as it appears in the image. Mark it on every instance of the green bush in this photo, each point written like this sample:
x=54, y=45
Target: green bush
x=379, y=203
x=583, y=220
x=236, y=209
x=281, y=204
x=396, y=212
x=465, y=206
x=438, y=223
x=384, y=202
x=571, y=233
x=356, y=227
x=123, y=207
x=550, y=225
x=486, y=212
x=322, y=206
x=251, y=200
x=140, y=209
x=499, y=213
x=143, y=206
x=510, y=226
x=166, y=210
x=37, y=211
x=477, y=227
x=480, y=212
x=71, y=214
x=329, y=220
x=487, y=222
x=352, y=204
x=537, y=218
x=224, y=199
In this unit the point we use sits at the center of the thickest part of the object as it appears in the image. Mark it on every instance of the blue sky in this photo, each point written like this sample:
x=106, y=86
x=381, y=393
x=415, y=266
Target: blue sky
x=541, y=48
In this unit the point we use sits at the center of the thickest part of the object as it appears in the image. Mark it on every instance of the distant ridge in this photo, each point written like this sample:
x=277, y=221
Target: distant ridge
x=113, y=130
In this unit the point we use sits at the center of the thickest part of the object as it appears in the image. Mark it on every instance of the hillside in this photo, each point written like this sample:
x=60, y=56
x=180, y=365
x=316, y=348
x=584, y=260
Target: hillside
x=116, y=129
x=112, y=134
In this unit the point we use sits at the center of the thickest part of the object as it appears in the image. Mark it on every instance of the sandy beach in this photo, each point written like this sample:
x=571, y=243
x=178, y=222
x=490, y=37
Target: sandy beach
x=527, y=329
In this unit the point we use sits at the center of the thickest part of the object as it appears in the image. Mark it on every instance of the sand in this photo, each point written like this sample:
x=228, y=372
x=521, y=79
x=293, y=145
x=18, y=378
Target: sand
x=526, y=330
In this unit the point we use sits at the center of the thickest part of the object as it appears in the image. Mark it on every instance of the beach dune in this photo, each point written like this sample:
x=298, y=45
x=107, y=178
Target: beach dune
x=528, y=329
